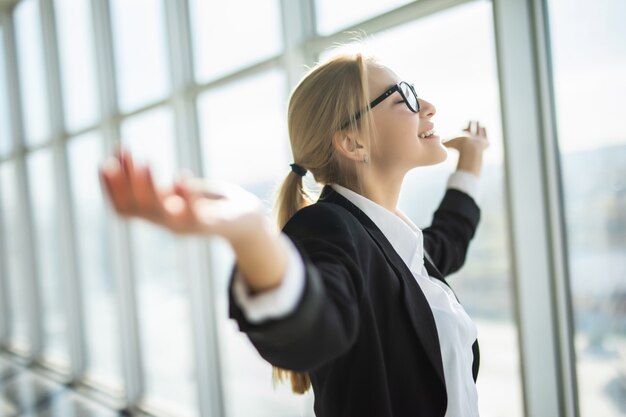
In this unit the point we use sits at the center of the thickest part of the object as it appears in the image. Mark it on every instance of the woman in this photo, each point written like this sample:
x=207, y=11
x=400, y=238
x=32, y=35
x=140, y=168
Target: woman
x=350, y=296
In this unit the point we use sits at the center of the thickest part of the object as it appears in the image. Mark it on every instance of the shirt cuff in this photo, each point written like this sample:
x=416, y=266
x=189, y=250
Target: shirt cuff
x=465, y=181
x=276, y=302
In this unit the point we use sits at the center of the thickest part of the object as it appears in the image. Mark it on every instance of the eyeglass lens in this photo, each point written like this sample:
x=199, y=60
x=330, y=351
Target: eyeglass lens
x=410, y=96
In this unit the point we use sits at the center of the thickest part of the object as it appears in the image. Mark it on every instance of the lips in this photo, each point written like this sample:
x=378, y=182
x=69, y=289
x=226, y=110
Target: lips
x=427, y=134
x=426, y=130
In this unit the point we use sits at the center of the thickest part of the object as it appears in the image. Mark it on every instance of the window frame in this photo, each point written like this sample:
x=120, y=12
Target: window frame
x=534, y=196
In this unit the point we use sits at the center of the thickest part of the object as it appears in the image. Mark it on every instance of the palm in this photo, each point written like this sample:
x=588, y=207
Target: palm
x=189, y=206
x=475, y=137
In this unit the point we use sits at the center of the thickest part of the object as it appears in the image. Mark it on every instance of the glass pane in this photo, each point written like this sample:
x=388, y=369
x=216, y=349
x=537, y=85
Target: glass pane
x=140, y=54
x=94, y=258
x=6, y=141
x=43, y=200
x=76, y=49
x=260, y=146
x=463, y=92
x=589, y=63
x=255, y=156
x=14, y=247
x=332, y=16
x=159, y=263
x=31, y=68
x=255, y=35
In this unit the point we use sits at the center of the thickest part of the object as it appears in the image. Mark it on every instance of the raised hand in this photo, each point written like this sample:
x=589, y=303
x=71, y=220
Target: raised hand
x=190, y=206
x=474, y=140
x=470, y=147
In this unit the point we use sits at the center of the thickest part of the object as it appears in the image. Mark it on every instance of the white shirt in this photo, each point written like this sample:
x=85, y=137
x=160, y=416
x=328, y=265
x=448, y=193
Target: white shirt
x=456, y=331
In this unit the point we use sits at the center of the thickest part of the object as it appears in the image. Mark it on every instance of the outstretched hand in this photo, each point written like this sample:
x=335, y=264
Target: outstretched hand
x=474, y=140
x=190, y=206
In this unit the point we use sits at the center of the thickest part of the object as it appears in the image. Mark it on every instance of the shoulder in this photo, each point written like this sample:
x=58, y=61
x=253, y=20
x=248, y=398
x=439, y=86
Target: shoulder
x=321, y=218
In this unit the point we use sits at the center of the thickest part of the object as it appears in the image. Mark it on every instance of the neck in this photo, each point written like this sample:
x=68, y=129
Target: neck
x=383, y=189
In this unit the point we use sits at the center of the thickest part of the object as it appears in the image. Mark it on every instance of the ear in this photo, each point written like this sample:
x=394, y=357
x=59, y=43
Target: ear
x=348, y=145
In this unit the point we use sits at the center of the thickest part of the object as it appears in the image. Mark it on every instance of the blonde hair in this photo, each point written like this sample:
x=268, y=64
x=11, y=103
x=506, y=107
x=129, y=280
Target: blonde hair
x=326, y=98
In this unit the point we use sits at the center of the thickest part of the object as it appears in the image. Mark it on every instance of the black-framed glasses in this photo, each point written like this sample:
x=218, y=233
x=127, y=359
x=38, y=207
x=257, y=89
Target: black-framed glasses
x=406, y=90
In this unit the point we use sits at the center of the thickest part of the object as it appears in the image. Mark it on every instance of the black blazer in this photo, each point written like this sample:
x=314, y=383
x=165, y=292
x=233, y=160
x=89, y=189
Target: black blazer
x=363, y=328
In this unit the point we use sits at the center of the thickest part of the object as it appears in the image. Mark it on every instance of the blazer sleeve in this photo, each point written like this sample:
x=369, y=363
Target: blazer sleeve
x=454, y=224
x=325, y=321
x=277, y=301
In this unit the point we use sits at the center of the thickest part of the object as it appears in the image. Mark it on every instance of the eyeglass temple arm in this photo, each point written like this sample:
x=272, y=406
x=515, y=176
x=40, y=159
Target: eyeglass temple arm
x=373, y=103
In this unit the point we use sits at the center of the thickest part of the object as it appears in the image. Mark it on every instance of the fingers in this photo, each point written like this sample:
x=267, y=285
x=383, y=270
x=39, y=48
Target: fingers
x=116, y=184
x=129, y=177
x=474, y=127
x=110, y=173
x=147, y=201
x=131, y=189
x=189, y=206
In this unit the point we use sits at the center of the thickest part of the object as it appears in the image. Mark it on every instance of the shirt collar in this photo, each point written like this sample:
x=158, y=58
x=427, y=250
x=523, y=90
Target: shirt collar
x=405, y=237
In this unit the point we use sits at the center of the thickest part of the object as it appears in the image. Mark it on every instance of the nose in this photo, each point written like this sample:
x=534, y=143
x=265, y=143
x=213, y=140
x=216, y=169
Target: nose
x=427, y=109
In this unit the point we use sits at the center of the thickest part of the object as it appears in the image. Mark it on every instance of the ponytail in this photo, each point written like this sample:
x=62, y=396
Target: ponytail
x=291, y=197
x=331, y=93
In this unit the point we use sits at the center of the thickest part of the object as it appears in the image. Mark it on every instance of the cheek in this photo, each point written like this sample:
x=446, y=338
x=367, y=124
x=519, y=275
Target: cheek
x=397, y=135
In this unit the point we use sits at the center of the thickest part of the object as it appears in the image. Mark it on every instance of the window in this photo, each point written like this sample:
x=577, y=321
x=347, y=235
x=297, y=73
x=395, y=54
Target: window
x=161, y=275
x=95, y=262
x=248, y=147
x=15, y=248
x=244, y=131
x=140, y=54
x=50, y=275
x=589, y=62
x=228, y=119
x=332, y=16
x=32, y=72
x=234, y=34
x=76, y=47
x=6, y=141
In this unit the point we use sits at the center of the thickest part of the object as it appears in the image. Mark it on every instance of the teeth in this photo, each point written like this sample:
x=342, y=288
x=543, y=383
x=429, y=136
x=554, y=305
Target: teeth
x=427, y=133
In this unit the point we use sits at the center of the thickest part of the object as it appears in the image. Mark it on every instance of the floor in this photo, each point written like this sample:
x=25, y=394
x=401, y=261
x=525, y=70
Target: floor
x=24, y=393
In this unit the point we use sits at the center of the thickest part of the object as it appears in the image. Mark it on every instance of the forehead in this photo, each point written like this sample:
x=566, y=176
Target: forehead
x=380, y=78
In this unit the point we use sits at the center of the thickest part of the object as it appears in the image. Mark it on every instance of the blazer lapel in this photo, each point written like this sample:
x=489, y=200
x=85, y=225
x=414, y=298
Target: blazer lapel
x=414, y=299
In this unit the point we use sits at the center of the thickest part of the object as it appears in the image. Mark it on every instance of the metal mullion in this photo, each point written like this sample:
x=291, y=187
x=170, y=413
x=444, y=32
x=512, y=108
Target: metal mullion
x=205, y=326
x=5, y=311
x=69, y=259
x=33, y=299
x=556, y=211
x=239, y=74
x=121, y=248
x=388, y=20
x=535, y=205
x=190, y=89
x=298, y=28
